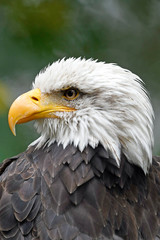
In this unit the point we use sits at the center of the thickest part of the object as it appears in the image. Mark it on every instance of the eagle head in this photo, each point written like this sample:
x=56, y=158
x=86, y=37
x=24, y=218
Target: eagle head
x=85, y=102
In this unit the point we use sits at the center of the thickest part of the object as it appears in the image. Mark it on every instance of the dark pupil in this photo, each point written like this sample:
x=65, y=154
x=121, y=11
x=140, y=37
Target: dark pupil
x=70, y=93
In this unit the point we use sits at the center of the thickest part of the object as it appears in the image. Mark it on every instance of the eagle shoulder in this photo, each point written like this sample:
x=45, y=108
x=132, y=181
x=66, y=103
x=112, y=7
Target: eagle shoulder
x=65, y=194
x=19, y=197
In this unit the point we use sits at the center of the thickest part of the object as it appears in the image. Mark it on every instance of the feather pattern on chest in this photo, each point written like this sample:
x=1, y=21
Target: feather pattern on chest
x=65, y=194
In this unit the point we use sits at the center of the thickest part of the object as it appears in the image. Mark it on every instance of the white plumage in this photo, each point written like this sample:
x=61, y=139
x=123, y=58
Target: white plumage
x=113, y=109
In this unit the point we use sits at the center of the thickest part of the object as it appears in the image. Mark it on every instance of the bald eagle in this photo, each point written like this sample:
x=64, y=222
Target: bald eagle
x=90, y=175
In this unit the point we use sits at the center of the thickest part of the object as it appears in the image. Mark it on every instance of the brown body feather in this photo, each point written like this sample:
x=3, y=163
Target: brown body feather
x=63, y=194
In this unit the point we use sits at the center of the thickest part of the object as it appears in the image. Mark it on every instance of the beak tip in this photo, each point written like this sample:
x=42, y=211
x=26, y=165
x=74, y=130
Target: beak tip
x=14, y=132
x=12, y=125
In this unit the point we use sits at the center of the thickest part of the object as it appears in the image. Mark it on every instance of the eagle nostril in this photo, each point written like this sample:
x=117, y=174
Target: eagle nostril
x=34, y=98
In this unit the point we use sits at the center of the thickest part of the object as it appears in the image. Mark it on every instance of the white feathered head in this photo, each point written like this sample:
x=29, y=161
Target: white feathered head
x=89, y=102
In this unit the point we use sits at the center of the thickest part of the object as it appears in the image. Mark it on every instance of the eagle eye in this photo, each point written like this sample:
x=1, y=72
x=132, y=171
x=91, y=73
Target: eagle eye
x=71, y=94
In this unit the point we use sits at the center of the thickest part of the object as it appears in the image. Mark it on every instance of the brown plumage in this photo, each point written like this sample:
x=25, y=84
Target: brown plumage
x=55, y=193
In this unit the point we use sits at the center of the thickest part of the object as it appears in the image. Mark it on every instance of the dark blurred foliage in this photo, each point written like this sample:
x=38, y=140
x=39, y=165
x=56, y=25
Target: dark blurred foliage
x=34, y=33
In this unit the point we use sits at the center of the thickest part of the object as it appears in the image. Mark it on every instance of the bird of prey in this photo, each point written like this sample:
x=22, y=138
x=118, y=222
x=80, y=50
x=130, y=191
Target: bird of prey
x=90, y=175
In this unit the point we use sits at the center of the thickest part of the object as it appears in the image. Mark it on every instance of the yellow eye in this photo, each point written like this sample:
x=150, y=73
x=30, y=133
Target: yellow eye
x=71, y=94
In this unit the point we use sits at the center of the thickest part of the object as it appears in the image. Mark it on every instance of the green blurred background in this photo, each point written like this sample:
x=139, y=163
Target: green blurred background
x=34, y=33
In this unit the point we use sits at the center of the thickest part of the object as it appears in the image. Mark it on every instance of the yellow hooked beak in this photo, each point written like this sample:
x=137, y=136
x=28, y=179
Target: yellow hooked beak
x=33, y=105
